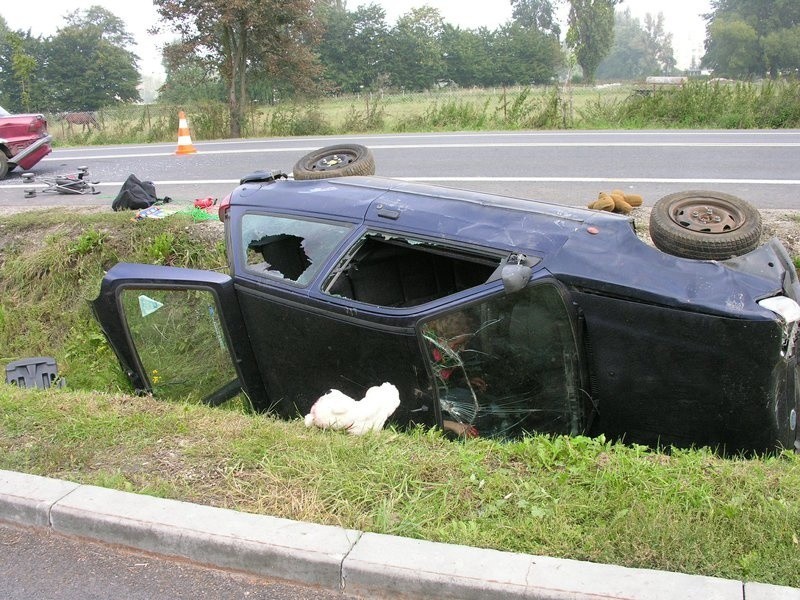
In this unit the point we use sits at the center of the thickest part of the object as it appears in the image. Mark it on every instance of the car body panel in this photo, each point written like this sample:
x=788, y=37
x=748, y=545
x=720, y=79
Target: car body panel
x=656, y=349
x=24, y=139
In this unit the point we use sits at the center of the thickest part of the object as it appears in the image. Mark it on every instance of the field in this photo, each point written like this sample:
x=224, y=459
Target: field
x=697, y=105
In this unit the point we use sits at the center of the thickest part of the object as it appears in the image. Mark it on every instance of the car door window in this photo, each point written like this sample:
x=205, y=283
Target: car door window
x=397, y=272
x=507, y=366
x=180, y=341
x=287, y=248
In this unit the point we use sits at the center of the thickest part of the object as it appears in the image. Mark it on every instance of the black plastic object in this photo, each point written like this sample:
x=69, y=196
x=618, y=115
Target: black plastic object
x=40, y=372
x=262, y=177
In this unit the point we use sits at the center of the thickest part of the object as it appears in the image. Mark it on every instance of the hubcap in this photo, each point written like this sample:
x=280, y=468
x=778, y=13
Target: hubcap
x=707, y=215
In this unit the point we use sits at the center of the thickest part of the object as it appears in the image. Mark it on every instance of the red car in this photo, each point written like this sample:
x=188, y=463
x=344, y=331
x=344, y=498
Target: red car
x=24, y=141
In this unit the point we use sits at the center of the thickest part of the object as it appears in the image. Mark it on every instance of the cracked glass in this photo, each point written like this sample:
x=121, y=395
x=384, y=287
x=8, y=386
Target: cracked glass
x=290, y=249
x=507, y=367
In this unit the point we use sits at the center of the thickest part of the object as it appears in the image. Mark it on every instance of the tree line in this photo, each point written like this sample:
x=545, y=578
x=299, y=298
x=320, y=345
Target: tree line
x=753, y=37
x=241, y=51
x=85, y=65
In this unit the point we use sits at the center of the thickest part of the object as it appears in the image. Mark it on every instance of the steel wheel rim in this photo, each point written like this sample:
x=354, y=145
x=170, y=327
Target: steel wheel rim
x=333, y=161
x=707, y=215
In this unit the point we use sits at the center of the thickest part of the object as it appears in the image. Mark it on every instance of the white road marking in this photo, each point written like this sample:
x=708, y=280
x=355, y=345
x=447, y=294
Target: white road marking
x=605, y=179
x=480, y=180
x=373, y=147
x=440, y=136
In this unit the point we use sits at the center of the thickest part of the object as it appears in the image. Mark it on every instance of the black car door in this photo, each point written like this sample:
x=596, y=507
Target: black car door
x=179, y=333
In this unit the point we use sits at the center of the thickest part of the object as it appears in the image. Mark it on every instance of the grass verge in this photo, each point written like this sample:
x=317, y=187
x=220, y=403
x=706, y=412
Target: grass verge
x=579, y=498
x=768, y=105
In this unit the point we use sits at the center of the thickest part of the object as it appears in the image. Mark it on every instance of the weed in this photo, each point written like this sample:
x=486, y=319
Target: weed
x=46, y=285
x=571, y=497
x=372, y=118
x=88, y=242
x=295, y=120
x=161, y=248
x=771, y=104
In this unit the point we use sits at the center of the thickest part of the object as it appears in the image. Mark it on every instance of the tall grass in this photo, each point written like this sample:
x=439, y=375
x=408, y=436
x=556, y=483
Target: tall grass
x=51, y=266
x=579, y=498
x=732, y=106
x=771, y=104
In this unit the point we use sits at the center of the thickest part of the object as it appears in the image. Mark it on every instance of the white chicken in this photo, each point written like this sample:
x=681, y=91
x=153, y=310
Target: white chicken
x=336, y=410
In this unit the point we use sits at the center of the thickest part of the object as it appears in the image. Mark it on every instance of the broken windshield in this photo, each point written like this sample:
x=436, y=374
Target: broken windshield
x=288, y=248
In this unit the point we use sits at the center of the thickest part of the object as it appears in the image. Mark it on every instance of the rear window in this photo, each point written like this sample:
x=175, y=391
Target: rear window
x=288, y=248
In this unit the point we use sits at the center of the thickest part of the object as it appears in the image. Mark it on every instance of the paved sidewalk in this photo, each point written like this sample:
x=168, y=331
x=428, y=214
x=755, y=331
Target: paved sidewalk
x=345, y=560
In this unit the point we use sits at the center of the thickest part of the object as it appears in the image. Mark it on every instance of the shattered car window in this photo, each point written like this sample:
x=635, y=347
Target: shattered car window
x=392, y=271
x=180, y=341
x=286, y=248
x=507, y=367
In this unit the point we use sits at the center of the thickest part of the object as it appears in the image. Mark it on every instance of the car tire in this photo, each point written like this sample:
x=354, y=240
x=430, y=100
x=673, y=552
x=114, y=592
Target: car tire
x=705, y=225
x=3, y=165
x=335, y=161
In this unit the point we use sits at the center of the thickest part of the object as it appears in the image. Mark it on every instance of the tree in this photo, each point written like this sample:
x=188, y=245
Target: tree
x=733, y=49
x=188, y=80
x=353, y=48
x=87, y=64
x=416, y=54
x=638, y=50
x=469, y=55
x=659, y=42
x=536, y=14
x=112, y=28
x=21, y=57
x=239, y=39
x=525, y=56
x=763, y=26
x=764, y=16
x=23, y=67
x=630, y=56
x=782, y=50
x=591, y=32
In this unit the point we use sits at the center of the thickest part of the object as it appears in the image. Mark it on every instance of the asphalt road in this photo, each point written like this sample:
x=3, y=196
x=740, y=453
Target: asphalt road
x=37, y=563
x=564, y=167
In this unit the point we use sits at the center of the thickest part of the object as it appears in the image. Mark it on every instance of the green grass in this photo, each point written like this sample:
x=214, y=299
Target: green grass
x=699, y=104
x=51, y=266
x=579, y=498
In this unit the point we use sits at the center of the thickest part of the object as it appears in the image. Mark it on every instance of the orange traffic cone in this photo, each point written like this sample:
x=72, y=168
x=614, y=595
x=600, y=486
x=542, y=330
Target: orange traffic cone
x=184, y=139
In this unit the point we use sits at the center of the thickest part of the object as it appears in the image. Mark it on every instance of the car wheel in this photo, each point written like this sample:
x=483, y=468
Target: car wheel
x=335, y=161
x=3, y=165
x=705, y=225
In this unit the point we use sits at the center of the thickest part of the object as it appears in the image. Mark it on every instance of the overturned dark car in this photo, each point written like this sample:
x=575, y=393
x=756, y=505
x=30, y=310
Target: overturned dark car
x=492, y=316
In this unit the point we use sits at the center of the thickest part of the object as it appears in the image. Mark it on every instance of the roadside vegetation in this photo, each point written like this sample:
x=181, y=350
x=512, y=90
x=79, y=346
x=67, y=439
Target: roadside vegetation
x=581, y=498
x=578, y=498
x=699, y=104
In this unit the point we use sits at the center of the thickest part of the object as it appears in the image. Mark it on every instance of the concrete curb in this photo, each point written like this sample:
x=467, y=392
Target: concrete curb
x=346, y=560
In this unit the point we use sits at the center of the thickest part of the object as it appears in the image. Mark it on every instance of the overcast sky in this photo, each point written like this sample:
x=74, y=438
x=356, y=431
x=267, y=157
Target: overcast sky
x=43, y=17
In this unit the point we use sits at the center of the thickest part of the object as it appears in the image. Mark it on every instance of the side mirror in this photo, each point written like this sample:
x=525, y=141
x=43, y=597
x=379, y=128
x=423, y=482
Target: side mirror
x=515, y=273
